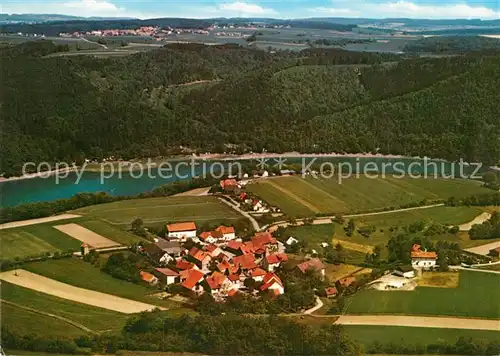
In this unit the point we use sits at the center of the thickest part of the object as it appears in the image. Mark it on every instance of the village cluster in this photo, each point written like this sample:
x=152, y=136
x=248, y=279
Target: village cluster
x=220, y=262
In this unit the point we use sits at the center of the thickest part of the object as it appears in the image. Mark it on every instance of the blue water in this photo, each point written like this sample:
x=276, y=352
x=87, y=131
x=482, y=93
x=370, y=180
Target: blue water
x=38, y=189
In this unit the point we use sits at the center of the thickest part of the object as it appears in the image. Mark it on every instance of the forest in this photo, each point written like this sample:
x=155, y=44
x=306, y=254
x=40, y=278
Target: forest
x=452, y=44
x=241, y=100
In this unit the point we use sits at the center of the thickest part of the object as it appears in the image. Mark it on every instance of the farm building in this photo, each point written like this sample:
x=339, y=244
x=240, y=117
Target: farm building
x=422, y=259
x=405, y=271
x=181, y=231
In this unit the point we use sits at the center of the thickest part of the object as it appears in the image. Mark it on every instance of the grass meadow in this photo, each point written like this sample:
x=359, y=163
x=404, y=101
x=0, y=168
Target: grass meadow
x=401, y=335
x=96, y=319
x=154, y=211
x=34, y=240
x=316, y=234
x=475, y=296
x=297, y=196
x=82, y=274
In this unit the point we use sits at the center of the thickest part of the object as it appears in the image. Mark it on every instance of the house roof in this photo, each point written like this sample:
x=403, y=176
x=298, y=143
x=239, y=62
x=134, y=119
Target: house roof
x=232, y=292
x=424, y=254
x=347, y=281
x=169, y=246
x=211, y=248
x=234, y=245
x=192, y=279
x=258, y=272
x=247, y=248
x=198, y=254
x=147, y=277
x=228, y=183
x=269, y=279
x=183, y=264
x=405, y=268
x=167, y=272
x=215, y=280
x=330, y=291
x=234, y=277
x=245, y=261
x=314, y=263
x=261, y=239
x=276, y=258
x=225, y=229
x=179, y=227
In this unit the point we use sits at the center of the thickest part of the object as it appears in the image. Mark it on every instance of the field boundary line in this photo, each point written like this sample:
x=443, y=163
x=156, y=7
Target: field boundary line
x=58, y=317
x=335, y=199
x=301, y=201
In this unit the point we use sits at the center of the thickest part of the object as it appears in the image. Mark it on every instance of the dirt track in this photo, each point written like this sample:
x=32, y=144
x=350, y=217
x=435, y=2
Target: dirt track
x=483, y=249
x=420, y=321
x=477, y=220
x=49, y=286
x=85, y=235
x=38, y=221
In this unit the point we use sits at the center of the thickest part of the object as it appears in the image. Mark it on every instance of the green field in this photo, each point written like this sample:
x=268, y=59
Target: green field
x=96, y=319
x=35, y=240
x=297, y=196
x=25, y=322
x=162, y=210
x=476, y=296
x=367, y=335
x=440, y=215
x=84, y=275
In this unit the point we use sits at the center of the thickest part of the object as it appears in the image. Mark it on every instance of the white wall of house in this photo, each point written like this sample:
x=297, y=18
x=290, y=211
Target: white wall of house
x=423, y=263
x=229, y=237
x=171, y=280
x=277, y=286
x=182, y=235
x=165, y=259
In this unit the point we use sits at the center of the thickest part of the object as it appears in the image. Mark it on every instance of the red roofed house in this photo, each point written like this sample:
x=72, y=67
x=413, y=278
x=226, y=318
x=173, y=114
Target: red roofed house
x=258, y=274
x=217, y=282
x=314, y=264
x=272, y=283
x=245, y=262
x=263, y=240
x=213, y=250
x=495, y=252
x=168, y=275
x=201, y=258
x=228, y=232
x=232, y=292
x=234, y=245
x=208, y=237
x=236, y=280
x=181, y=231
x=148, y=277
x=422, y=259
x=274, y=261
x=331, y=292
x=192, y=279
x=346, y=281
x=229, y=184
x=184, y=265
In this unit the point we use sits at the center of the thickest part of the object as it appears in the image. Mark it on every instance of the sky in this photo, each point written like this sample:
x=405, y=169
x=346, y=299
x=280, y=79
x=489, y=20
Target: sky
x=430, y=9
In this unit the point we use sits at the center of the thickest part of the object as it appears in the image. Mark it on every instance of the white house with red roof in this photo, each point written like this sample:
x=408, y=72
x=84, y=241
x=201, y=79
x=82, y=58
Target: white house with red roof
x=181, y=231
x=314, y=264
x=258, y=274
x=422, y=259
x=208, y=237
x=200, y=257
x=273, y=261
x=273, y=284
x=191, y=279
x=228, y=232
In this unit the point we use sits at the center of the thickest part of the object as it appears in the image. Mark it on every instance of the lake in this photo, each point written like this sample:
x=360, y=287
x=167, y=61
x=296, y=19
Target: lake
x=131, y=183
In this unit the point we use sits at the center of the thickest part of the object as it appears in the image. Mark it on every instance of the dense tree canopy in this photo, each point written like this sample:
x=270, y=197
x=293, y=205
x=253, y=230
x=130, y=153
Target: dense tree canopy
x=318, y=100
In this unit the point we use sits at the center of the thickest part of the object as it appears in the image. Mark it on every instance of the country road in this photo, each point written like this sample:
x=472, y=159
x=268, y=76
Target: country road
x=327, y=219
x=420, y=321
x=254, y=222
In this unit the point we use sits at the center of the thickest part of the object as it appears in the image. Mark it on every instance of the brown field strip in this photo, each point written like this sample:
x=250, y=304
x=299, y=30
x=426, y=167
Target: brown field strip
x=49, y=286
x=37, y=221
x=85, y=235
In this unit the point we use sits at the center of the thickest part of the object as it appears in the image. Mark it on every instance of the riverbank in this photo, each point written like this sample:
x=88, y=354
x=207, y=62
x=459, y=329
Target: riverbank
x=139, y=164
